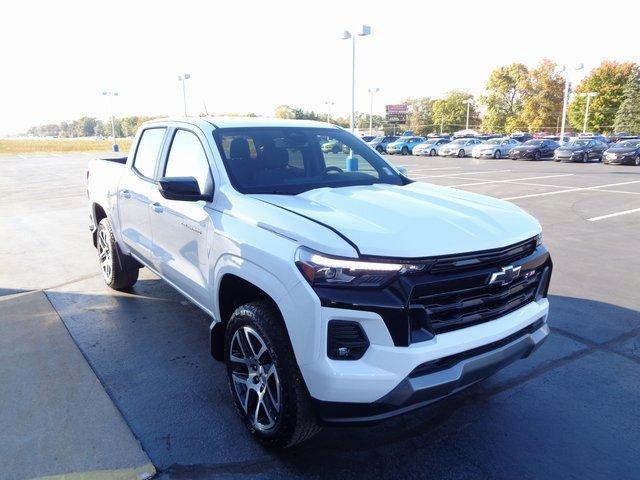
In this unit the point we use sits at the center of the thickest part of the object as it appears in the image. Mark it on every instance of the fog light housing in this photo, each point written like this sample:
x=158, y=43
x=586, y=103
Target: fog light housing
x=543, y=285
x=346, y=340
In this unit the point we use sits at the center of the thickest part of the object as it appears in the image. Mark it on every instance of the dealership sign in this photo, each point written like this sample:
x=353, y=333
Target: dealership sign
x=397, y=113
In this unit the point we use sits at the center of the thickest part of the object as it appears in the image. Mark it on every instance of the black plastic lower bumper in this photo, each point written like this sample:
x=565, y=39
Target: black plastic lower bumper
x=429, y=383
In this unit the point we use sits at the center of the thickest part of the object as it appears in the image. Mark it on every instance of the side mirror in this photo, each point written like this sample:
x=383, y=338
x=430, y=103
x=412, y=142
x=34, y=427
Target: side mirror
x=181, y=188
x=402, y=171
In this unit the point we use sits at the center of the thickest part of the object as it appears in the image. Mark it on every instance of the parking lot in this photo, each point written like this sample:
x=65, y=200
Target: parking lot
x=572, y=410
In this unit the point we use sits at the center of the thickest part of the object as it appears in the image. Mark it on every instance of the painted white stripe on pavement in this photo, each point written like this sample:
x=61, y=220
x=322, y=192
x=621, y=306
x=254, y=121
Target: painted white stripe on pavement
x=485, y=182
x=455, y=175
x=602, y=217
x=578, y=189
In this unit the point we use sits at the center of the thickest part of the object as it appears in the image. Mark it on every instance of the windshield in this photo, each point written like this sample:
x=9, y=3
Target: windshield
x=533, y=142
x=460, y=141
x=629, y=144
x=377, y=139
x=292, y=160
x=495, y=141
x=580, y=143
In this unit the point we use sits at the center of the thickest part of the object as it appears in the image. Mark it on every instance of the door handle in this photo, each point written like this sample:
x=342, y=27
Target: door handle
x=157, y=207
x=125, y=194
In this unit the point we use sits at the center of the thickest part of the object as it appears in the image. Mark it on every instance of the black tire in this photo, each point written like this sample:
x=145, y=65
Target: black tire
x=585, y=157
x=636, y=162
x=433, y=152
x=461, y=153
x=497, y=154
x=294, y=422
x=380, y=149
x=119, y=271
x=537, y=155
x=405, y=151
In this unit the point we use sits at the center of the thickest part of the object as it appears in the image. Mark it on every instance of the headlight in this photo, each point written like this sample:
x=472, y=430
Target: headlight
x=539, y=239
x=322, y=270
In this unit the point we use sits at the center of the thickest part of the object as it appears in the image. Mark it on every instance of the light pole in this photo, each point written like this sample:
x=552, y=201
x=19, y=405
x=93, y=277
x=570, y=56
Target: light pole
x=468, y=101
x=346, y=35
x=565, y=99
x=183, y=79
x=586, y=113
x=372, y=92
x=115, y=146
x=329, y=104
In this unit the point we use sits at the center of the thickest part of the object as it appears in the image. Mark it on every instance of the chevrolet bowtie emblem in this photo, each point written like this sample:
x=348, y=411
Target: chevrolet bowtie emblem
x=505, y=276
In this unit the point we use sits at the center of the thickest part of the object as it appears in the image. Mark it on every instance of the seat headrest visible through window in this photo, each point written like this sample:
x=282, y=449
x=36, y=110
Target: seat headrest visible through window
x=274, y=157
x=239, y=148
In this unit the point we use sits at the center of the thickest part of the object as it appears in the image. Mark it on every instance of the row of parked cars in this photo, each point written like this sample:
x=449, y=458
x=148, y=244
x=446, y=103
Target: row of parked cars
x=519, y=147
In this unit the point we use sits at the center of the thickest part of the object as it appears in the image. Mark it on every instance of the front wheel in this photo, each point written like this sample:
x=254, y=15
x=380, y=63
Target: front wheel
x=461, y=153
x=405, y=151
x=585, y=157
x=119, y=271
x=433, y=152
x=537, y=155
x=497, y=154
x=636, y=162
x=380, y=149
x=265, y=382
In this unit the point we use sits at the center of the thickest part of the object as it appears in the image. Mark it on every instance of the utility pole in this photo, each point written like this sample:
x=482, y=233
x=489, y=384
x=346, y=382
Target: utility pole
x=441, y=124
x=346, y=35
x=468, y=102
x=329, y=104
x=114, y=146
x=565, y=100
x=183, y=79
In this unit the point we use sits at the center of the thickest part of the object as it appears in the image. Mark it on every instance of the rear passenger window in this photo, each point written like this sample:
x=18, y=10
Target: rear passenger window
x=187, y=159
x=147, y=152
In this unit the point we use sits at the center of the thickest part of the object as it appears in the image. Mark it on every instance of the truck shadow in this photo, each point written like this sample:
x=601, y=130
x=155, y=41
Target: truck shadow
x=149, y=348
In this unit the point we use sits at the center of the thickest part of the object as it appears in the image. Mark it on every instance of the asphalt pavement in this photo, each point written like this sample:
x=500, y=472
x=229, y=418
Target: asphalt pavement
x=569, y=411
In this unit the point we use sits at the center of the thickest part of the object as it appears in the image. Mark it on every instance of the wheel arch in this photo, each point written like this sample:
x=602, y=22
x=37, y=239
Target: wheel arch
x=98, y=213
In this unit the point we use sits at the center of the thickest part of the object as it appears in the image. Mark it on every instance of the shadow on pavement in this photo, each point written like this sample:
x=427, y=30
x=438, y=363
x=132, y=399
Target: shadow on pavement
x=569, y=410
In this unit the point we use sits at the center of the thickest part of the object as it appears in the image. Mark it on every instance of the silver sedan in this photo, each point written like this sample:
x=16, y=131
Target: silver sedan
x=494, y=148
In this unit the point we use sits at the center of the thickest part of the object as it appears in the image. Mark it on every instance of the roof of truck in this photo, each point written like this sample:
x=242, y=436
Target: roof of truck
x=240, y=122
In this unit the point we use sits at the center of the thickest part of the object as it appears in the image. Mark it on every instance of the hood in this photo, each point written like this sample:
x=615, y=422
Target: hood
x=621, y=150
x=572, y=148
x=411, y=221
x=524, y=148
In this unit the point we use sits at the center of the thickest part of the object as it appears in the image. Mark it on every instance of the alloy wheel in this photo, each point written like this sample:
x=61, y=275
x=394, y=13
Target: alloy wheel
x=105, y=254
x=637, y=162
x=254, y=377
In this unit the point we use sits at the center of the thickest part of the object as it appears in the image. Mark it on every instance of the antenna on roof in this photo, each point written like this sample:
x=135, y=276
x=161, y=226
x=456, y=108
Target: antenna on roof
x=205, y=107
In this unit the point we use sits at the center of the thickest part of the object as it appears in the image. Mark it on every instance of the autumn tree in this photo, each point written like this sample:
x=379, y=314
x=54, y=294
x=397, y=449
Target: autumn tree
x=628, y=115
x=451, y=111
x=420, y=117
x=542, y=102
x=608, y=81
x=506, y=89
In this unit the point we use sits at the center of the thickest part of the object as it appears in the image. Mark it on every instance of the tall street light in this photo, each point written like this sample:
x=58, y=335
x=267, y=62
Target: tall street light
x=468, y=101
x=586, y=113
x=346, y=35
x=565, y=100
x=183, y=79
x=114, y=146
x=329, y=104
x=372, y=92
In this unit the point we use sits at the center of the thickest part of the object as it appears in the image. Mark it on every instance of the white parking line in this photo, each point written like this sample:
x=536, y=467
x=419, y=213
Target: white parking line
x=602, y=217
x=430, y=169
x=455, y=175
x=484, y=181
x=578, y=189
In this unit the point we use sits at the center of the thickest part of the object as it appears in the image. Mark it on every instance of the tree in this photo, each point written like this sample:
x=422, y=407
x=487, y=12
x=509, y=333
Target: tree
x=84, y=127
x=628, y=115
x=506, y=88
x=608, y=81
x=542, y=102
x=420, y=118
x=451, y=111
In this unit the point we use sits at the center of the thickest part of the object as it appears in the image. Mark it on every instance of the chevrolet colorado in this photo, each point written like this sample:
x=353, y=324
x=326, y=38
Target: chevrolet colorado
x=340, y=291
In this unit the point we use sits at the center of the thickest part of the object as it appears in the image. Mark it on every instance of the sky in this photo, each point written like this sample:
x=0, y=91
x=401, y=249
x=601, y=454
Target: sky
x=251, y=56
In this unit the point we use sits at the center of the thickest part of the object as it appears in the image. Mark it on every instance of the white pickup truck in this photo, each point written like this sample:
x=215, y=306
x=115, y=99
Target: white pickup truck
x=340, y=291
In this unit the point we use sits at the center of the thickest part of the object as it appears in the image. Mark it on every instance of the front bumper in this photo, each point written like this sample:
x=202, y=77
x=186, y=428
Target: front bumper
x=619, y=160
x=433, y=381
x=521, y=155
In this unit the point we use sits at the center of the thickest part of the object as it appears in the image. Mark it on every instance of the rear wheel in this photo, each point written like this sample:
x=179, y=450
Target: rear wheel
x=497, y=154
x=405, y=151
x=265, y=382
x=433, y=152
x=119, y=271
x=536, y=155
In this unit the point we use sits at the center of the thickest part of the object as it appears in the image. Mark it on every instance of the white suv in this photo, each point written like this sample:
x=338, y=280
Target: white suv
x=340, y=291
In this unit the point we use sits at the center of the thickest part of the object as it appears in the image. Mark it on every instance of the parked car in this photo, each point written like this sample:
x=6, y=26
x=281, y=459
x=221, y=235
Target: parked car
x=460, y=147
x=332, y=281
x=600, y=138
x=380, y=143
x=534, y=150
x=580, y=150
x=625, y=152
x=334, y=146
x=430, y=146
x=521, y=137
x=404, y=145
x=494, y=148
x=367, y=138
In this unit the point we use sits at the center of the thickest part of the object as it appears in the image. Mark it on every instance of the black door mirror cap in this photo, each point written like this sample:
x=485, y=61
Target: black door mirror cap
x=181, y=188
